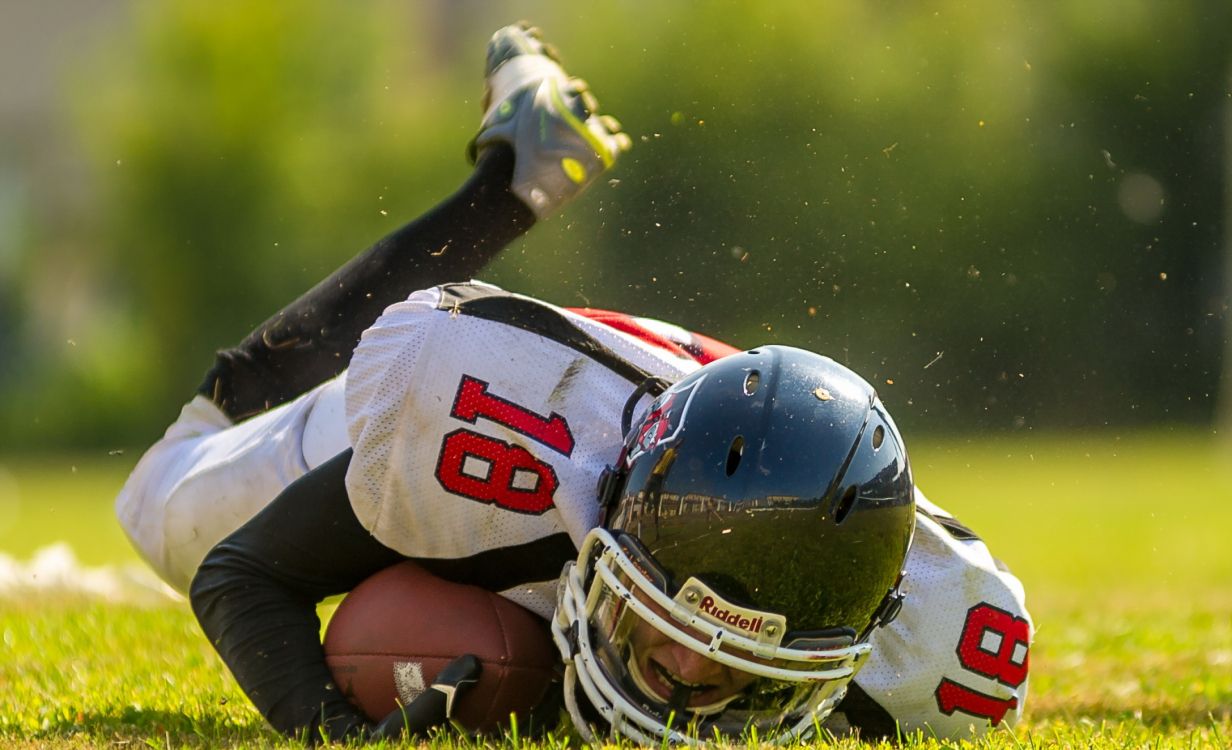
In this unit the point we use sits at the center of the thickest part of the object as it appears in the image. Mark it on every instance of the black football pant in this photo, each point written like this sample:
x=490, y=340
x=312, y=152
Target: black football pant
x=311, y=340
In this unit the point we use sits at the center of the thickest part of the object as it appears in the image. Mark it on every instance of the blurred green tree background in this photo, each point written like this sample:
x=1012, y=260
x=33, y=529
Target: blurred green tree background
x=1008, y=216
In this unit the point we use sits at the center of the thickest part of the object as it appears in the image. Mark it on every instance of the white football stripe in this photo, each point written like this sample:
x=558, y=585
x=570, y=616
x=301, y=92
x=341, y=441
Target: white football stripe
x=409, y=679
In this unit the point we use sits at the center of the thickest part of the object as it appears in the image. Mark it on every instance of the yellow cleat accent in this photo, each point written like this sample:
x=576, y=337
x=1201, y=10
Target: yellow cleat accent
x=561, y=144
x=573, y=170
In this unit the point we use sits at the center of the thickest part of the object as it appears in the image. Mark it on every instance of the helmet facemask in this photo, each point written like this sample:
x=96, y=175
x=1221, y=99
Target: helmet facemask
x=753, y=532
x=620, y=623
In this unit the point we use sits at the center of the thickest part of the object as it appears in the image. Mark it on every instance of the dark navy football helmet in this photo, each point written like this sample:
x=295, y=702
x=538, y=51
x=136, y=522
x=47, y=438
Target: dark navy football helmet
x=755, y=532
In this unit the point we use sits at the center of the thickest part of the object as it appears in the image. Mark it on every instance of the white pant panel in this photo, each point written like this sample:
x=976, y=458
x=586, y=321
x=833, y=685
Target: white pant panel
x=206, y=477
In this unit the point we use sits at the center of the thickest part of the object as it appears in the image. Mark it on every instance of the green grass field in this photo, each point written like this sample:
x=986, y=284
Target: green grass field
x=1122, y=542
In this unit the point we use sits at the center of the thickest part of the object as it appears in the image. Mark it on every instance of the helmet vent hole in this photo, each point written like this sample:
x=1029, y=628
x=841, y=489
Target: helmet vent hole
x=734, y=454
x=878, y=437
x=751, y=381
x=845, y=504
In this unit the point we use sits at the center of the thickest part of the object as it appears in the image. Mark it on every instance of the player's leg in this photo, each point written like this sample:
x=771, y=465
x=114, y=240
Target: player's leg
x=539, y=145
x=310, y=340
x=228, y=454
x=238, y=465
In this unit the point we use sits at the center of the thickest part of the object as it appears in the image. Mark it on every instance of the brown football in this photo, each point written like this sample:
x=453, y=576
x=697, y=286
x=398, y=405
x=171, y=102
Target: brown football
x=389, y=638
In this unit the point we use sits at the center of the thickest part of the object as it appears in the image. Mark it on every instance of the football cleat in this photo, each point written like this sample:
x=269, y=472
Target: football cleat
x=560, y=144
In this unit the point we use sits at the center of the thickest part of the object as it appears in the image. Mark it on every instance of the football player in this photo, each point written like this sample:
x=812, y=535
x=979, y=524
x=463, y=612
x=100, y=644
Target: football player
x=742, y=541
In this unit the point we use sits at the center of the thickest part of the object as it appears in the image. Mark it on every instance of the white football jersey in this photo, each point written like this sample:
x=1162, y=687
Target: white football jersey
x=481, y=420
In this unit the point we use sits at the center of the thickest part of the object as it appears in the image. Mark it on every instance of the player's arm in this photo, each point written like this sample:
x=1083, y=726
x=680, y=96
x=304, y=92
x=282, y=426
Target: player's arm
x=256, y=592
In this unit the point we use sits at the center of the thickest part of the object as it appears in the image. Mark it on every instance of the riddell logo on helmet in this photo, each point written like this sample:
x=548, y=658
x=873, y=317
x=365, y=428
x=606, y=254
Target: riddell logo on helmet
x=732, y=617
x=704, y=603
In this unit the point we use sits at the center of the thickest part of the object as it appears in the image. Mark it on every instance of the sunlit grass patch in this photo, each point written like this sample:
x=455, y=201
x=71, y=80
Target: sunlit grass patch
x=114, y=672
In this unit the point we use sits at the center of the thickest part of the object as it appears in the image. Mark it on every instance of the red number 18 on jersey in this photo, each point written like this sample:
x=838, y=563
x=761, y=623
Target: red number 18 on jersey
x=493, y=471
x=993, y=644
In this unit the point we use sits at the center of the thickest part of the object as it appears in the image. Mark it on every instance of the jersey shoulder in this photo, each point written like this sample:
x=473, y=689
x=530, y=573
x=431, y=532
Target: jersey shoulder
x=635, y=347
x=669, y=337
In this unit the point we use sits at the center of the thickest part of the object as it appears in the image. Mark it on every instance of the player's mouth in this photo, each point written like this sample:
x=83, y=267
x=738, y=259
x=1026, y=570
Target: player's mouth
x=673, y=682
x=658, y=681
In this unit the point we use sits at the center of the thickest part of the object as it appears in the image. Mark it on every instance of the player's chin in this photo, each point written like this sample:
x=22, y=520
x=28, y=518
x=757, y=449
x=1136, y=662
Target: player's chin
x=707, y=700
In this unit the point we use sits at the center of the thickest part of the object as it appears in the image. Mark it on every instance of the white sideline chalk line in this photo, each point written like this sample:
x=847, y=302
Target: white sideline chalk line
x=55, y=569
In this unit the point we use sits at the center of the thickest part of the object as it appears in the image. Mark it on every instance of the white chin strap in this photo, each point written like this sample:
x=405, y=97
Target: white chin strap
x=576, y=604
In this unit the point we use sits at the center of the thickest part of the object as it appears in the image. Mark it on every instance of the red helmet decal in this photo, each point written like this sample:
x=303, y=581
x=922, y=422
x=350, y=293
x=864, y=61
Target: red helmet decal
x=662, y=424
